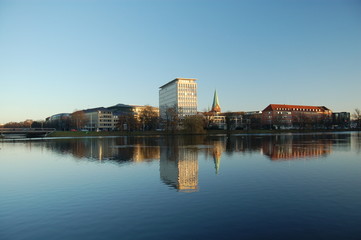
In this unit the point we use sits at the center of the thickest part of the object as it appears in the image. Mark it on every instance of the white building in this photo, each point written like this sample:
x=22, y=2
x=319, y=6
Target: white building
x=181, y=94
x=99, y=119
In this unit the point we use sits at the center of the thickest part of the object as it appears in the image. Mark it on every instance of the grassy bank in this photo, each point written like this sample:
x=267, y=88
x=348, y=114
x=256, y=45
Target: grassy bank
x=152, y=133
x=98, y=134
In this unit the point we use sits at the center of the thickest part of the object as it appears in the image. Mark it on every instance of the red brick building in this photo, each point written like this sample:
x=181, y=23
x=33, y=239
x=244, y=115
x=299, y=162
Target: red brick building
x=295, y=116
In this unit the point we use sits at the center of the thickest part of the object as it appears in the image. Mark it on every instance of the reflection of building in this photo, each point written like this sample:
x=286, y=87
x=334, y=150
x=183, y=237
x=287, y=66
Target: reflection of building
x=143, y=153
x=114, y=149
x=181, y=94
x=179, y=168
x=288, y=148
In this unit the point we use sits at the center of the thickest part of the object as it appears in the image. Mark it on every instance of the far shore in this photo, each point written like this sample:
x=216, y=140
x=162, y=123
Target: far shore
x=208, y=132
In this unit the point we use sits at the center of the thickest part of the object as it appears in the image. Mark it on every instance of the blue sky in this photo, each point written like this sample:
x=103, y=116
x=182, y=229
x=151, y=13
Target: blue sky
x=59, y=56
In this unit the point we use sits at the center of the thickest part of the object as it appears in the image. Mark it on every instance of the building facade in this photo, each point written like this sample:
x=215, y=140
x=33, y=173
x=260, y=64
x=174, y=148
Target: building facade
x=121, y=109
x=280, y=116
x=179, y=94
x=99, y=119
x=60, y=121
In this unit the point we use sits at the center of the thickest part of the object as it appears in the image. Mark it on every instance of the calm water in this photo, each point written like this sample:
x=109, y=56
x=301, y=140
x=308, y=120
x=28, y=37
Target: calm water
x=238, y=187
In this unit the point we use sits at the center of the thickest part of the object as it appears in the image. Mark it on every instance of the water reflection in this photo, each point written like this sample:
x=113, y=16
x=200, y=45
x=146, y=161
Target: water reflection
x=119, y=150
x=179, y=164
x=45, y=183
x=178, y=156
x=289, y=147
x=216, y=147
x=179, y=149
x=356, y=140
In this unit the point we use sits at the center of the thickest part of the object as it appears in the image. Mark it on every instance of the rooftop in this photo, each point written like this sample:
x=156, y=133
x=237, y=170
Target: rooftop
x=177, y=79
x=292, y=107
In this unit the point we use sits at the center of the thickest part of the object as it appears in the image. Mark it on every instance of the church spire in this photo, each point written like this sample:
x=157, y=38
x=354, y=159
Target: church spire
x=216, y=107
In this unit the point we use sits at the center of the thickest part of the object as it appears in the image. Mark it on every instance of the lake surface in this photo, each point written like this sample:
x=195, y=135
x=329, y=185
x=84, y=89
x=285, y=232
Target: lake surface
x=292, y=186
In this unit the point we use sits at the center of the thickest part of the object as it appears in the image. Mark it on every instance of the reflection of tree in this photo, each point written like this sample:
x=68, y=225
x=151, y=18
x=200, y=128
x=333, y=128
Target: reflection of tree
x=181, y=153
x=356, y=139
x=115, y=149
x=287, y=146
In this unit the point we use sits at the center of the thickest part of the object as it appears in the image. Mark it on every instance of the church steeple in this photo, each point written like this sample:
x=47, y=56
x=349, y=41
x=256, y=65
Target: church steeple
x=216, y=107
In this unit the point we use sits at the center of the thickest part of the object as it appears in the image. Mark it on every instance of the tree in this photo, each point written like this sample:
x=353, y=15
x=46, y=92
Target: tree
x=149, y=118
x=128, y=122
x=78, y=119
x=229, y=122
x=302, y=120
x=194, y=124
x=278, y=121
x=28, y=123
x=357, y=117
x=38, y=124
x=172, y=119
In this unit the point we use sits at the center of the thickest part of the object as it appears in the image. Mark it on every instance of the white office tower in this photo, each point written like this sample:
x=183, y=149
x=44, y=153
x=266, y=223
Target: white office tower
x=179, y=95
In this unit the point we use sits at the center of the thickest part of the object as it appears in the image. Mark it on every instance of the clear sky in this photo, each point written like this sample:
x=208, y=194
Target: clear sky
x=59, y=56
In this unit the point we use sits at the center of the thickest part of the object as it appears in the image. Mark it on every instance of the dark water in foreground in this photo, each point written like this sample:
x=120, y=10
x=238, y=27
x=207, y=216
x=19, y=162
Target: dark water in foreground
x=238, y=187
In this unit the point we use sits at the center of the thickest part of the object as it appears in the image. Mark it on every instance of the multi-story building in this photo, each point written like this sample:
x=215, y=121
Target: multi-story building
x=179, y=94
x=295, y=116
x=99, y=119
x=121, y=109
x=60, y=121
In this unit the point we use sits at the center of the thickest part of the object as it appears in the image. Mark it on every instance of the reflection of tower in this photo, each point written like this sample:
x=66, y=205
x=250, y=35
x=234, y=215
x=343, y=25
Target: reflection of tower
x=217, y=153
x=179, y=168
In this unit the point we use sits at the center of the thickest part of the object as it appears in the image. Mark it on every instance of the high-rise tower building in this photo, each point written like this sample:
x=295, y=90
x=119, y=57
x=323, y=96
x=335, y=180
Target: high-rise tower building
x=180, y=94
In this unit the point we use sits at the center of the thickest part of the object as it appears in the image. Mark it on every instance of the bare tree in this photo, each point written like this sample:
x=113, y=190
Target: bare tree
x=78, y=119
x=128, y=122
x=26, y=124
x=357, y=117
x=302, y=120
x=149, y=118
x=172, y=119
x=194, y=124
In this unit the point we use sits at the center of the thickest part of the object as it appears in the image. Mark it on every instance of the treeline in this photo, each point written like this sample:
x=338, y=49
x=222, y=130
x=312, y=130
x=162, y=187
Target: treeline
x=149, y=120
x=25, y=124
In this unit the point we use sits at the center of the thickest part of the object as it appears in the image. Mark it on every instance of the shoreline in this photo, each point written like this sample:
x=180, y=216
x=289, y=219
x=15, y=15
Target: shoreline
x=209, y=132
